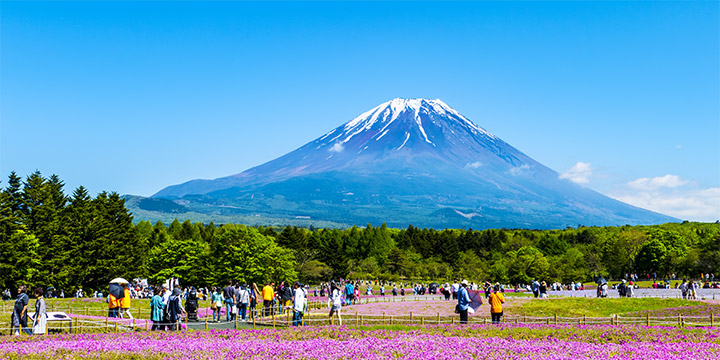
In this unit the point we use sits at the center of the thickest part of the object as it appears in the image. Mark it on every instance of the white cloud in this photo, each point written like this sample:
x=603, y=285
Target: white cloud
x=669, y=195
x=580, y=173
x=474, y=165
x=520, y=170
x=338, y=147
x=667, y=181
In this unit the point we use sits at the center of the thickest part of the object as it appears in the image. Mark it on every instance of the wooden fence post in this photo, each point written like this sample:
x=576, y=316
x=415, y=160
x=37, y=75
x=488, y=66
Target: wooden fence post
x=411, y=317
x=106, y=324
x=357, y=319
x=712, y=319
x=206, y=324
x=438, y=318
x=647, y=319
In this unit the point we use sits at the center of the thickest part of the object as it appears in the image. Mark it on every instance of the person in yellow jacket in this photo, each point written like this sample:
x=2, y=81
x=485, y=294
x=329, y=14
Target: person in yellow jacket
x=268, y=295
x=125, y=304
x=496, y=301
x=113, y=306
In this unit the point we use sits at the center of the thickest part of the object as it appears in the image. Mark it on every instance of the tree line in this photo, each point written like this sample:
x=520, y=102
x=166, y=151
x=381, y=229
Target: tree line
x=48, y=238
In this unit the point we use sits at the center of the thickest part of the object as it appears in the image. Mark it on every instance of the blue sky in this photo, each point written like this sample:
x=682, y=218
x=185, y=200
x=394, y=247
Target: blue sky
x=622, y=97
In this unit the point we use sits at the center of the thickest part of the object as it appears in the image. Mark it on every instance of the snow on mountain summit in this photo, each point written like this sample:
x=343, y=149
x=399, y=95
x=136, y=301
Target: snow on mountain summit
x=429, y=121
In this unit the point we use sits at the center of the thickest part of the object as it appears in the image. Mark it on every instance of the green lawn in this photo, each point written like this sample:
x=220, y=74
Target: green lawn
x=592, y=307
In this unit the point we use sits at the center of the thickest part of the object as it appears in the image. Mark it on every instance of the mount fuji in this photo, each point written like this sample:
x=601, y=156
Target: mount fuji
x=406, y=161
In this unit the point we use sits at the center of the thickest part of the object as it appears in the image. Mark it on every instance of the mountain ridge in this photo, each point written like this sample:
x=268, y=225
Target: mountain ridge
x=409, y=160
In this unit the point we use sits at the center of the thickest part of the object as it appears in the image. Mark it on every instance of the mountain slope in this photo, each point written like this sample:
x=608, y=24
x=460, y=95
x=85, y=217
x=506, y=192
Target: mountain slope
x=409, y=161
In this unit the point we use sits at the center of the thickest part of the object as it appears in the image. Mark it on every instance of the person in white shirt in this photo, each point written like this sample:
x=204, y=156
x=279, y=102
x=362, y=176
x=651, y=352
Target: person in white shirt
x=336, y=298
x=243, y=298
x=299, y=305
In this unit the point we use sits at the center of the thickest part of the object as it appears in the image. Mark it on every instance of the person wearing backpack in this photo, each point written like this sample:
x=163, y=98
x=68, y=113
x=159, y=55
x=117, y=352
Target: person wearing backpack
x=622, y=288
x=216, y=300
x=174, y=309
x=243, y=300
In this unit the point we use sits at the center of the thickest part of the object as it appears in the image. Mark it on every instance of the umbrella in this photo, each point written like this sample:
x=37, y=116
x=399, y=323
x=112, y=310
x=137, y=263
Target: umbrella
x=475, y=300
x=117, y=290
x=119, y=281
x=601, y=280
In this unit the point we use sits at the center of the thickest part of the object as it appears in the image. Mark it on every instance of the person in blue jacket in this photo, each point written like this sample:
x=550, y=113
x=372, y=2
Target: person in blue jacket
x=463, y=302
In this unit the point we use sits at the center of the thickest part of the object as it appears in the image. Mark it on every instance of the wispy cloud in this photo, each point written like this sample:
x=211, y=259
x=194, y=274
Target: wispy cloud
x=337, y=147
x=580, y=173
x=667, y=181
x=520, y=170
x=672, y=195
x=474, y=165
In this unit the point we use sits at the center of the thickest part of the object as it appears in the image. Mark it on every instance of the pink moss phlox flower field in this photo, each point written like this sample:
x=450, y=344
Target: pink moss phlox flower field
x=431, y=342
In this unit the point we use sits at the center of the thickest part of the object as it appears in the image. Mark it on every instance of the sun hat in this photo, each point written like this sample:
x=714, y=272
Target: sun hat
x=464, y=282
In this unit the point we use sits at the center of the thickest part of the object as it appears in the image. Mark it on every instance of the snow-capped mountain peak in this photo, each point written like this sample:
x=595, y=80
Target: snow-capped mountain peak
x=427, y=120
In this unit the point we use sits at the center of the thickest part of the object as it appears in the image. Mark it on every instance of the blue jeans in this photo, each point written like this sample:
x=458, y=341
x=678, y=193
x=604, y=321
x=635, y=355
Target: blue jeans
x=229, y=307
x=216, y=314
x=242, y=309
x=297, y=318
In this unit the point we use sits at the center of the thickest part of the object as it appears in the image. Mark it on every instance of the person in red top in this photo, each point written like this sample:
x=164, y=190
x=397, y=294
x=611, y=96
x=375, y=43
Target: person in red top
x=496, y=301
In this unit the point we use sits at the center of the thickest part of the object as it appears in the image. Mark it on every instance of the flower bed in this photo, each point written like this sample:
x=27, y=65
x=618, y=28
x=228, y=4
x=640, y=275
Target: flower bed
x=432, y=342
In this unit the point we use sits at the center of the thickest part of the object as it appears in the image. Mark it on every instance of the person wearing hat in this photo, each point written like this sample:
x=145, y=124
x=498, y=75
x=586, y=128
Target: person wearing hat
x=463, y=301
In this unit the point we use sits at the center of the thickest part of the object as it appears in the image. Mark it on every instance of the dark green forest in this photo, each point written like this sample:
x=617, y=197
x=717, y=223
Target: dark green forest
x=68, y=241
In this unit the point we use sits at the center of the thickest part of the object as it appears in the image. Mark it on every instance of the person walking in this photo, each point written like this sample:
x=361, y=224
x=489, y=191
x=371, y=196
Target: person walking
x=349, y=293
x=286, y=297
x=268, y=294
x=336, y=302
x=19, y=314
x=543, y=290
x=298, y=305
x=496, y=301
x=463, y=298
x=113, y=306
x=40, y=318
x=535, y=287
x=243, y=300
x=254, y=293
x=216, y=303
x=125, y=303
x=157, y=307
x=175, y=309
x=229, y=297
